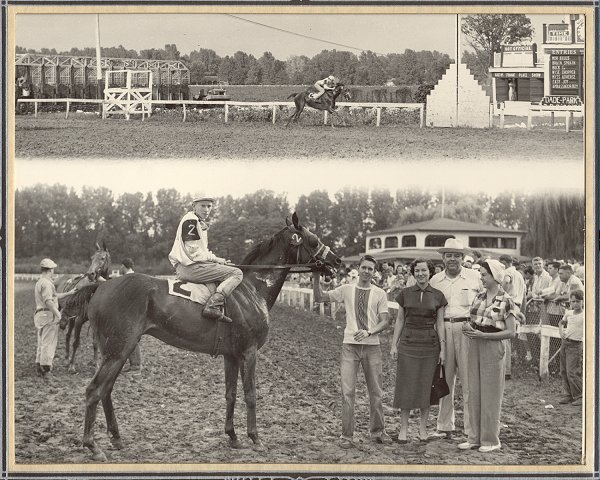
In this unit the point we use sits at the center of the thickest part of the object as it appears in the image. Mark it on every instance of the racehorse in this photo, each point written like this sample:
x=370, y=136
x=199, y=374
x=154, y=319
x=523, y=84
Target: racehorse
x=324, y=102
x=123, y=309
x=99, y=268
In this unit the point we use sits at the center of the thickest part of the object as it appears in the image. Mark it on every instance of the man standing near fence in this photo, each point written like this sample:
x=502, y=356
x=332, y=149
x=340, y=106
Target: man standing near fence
x=541, y=278
x=554, y=311
x=460, y=286
x=366, y=316
x=514, y=285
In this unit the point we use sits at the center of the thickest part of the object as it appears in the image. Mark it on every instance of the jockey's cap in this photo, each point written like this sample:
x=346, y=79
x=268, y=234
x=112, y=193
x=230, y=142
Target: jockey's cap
x=204, y=199
x=47, y=263
x=331, y=77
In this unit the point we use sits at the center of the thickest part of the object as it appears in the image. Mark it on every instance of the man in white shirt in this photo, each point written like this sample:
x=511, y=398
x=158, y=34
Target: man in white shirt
x=366, y=316
x=514, y=285
x=194, y=262
x=541, y=278
x=459, y=285
x=569, y=282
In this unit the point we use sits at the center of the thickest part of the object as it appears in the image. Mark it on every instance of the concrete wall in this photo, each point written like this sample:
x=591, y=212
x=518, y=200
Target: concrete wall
x=473, y=103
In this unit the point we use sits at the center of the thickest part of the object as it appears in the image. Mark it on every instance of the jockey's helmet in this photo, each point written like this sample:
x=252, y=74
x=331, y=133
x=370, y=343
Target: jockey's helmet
x=331, y=77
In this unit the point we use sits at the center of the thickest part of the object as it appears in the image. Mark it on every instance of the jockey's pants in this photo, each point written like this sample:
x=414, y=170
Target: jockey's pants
x=320, y=91
x=226, y=276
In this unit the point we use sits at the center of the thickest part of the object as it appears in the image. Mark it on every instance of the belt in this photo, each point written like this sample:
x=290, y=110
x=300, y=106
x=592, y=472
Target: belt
x=456, y=319
x=572, y=341
x=42, y=310
x=485, y=328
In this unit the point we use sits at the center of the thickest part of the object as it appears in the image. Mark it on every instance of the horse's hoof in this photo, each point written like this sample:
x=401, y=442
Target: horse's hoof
x=71, y=369
x=117, y=443
x=99, y=457
x=235, y=443
x=259, y=447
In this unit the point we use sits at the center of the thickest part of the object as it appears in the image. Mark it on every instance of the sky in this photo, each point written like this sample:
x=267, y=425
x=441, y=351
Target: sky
x=251, y=33
x=295, y=177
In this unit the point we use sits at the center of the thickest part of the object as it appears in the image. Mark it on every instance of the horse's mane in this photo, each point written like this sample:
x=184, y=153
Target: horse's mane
x=260, y=249
x=81, y=297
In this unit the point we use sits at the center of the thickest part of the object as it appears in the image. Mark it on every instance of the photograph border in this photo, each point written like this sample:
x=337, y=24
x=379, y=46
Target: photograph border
x=589, y=443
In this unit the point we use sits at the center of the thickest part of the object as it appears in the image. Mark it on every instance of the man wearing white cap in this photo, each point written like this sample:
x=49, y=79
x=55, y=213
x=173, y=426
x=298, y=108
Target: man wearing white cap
x=195, y=263
x=46, y=317
x=323, y=85
x=468, y=261
x=460, y=286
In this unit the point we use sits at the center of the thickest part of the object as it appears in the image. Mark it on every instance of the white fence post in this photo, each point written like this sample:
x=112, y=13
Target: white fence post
x=378, y=116
x=274, y=113
x=226, y=113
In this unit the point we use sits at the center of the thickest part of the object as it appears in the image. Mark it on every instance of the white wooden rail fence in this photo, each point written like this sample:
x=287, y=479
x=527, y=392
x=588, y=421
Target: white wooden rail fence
x=227, y=104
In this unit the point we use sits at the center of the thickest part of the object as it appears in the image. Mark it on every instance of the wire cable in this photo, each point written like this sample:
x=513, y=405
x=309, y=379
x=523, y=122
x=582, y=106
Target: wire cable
x=300, y=34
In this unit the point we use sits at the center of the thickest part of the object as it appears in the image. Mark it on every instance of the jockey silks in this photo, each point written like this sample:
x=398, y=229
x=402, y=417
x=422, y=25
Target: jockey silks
x=191, y=242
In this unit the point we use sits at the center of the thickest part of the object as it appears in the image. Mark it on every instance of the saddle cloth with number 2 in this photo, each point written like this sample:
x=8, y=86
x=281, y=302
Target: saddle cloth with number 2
x=196, y=292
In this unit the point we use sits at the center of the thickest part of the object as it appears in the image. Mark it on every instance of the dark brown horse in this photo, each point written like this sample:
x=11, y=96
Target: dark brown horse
x=324, y=102
x=123, y=309
x=98, y=270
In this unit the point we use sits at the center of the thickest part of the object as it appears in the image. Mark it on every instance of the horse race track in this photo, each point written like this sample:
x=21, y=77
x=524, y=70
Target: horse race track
x=174, y=411
x=165, y=136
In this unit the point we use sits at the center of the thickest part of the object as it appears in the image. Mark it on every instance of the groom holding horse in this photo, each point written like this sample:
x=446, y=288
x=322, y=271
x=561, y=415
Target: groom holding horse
x=195, y=263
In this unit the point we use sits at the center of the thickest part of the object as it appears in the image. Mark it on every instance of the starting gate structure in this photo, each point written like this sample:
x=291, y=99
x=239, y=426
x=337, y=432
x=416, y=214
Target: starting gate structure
x=127, y=92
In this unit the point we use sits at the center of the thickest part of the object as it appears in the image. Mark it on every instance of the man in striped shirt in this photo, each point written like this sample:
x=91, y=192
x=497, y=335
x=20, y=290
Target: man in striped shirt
x=366, y=316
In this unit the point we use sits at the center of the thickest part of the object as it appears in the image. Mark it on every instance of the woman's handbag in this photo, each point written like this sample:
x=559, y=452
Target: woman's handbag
x=439, y=387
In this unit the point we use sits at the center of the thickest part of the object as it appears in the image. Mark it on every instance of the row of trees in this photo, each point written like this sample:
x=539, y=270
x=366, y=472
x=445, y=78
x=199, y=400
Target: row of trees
x=367, y=68
x=485, y=34
x=57, y=221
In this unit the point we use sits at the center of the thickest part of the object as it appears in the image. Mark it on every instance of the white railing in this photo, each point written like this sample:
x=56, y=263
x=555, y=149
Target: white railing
x=187, y=103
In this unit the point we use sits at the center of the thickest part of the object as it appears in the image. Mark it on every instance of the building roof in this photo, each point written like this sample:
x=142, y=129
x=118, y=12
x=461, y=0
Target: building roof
x=426, y=253
x=445, y=225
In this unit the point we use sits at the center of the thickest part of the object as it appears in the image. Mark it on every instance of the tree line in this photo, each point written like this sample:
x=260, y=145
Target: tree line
x=367, y=68
x=58, y=222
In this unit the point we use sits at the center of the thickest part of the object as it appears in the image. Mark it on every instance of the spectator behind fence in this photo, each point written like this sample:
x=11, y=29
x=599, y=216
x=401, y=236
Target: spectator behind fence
x=554, y=311
x=366, y=316
x=492, y=321
x=569, y=283
x=460, y=286
x=418, y=345
x=514, y=285
x=541, y=278
x=570, y=329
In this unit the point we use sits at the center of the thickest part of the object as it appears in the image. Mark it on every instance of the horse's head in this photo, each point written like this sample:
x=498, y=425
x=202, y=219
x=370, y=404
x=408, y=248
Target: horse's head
x=340, y=89
x=100, y=263
x=308, y=248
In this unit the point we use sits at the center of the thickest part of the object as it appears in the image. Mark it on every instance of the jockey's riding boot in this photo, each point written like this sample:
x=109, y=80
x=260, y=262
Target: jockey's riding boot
x=214, y=308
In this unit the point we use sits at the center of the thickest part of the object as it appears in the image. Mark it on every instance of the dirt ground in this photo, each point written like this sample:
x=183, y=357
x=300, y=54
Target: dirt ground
x=173, y=412
x=166, y=136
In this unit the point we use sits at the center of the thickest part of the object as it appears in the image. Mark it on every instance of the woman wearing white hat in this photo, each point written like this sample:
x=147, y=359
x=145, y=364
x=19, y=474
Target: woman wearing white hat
x=493, y=315
x=46, y=317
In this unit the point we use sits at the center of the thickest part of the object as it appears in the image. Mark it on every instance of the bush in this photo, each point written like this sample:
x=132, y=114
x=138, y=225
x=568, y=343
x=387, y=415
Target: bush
x=422, y=92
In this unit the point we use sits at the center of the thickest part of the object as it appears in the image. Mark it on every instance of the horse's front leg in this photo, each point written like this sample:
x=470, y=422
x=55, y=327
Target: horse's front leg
x=232, y=368
x=71, y=323
x=76, y=340
x=248, y=369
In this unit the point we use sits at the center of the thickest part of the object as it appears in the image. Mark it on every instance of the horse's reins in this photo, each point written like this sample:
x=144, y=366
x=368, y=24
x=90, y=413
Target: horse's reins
x=306, y=267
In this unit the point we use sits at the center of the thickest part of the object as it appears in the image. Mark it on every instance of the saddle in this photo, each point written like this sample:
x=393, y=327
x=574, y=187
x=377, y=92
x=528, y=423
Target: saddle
x=196, y=292
x=199, y=293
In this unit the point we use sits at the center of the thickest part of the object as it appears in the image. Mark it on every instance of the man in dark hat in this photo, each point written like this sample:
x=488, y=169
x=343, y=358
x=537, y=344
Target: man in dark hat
x=195, y=263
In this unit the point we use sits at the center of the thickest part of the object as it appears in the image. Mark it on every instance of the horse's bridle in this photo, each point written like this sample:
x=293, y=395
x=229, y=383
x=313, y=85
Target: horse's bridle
x=315, y=262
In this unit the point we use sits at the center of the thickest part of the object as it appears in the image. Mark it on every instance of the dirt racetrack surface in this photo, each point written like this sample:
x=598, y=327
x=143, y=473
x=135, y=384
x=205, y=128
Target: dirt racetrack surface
x=166, y=136
x=173, y=412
